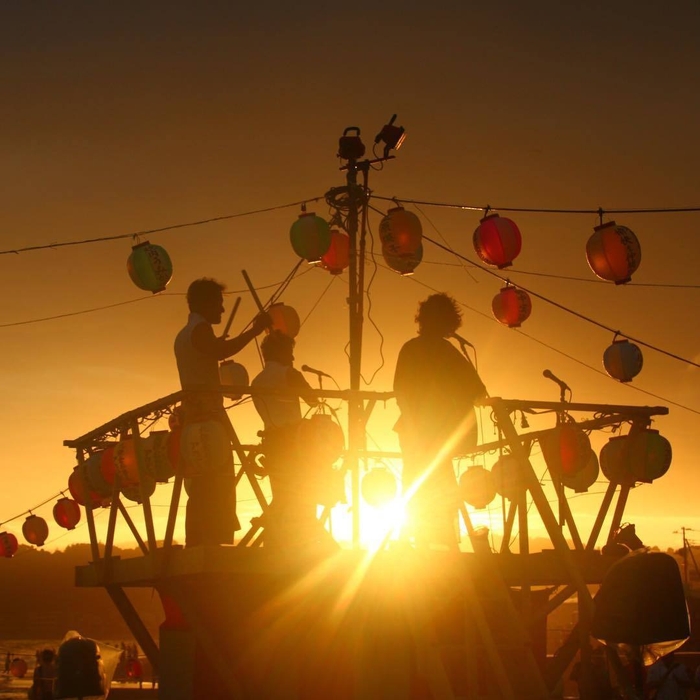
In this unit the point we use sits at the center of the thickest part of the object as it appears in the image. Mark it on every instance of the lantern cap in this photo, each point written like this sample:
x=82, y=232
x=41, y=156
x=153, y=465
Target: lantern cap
x=607, y=224
x=143, y=244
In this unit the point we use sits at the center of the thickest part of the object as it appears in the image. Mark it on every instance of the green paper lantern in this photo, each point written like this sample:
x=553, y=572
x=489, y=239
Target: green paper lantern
x=310, y=236
x=149, y=267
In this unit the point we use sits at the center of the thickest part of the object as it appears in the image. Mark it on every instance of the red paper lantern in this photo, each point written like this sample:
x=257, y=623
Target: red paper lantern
x=150, y=267
x=35, y=530
x=497, y=241
x=404, y=264
x=623, y=360
x=285, y=319
x=477, y=487
x=511, y=306
x=566, y=450
x=508, y=476
x=120, y=459
x=613, y=252
x=96, y=480
x=8, y=545
x=310, y=236
x=400, y=232
x=642, y=455
x=18, y=668
x=337, y=258
x=379, y=487
x=582, y=480
x=66, y=513
x=78, y=491
x=134, y=669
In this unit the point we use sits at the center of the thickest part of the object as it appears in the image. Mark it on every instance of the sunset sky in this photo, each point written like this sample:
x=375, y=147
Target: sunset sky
x=123, y=117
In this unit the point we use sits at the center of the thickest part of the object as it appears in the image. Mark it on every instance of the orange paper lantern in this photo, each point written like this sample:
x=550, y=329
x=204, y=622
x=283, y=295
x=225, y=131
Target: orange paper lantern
x=337, y=258
x=566, y=450
x=497, y=241
x=400, y=232
x=35, y=530
x=66, y=513
x=285, y=319
x=511, y=306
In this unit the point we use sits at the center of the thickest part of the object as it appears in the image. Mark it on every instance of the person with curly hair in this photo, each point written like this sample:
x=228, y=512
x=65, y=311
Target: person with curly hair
x=436, y=388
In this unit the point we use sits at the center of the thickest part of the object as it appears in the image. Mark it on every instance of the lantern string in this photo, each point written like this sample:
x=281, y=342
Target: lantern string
x=172, y=227
x=551, y=347
x=583, y=317
x=532, y=210
x=29, y=510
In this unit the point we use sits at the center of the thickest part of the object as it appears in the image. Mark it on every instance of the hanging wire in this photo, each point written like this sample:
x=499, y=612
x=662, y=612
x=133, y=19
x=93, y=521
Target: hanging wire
x=146, y=232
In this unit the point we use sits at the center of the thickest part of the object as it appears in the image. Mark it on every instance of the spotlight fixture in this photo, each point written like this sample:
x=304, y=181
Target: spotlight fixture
x=392, y=136
x=350, y=147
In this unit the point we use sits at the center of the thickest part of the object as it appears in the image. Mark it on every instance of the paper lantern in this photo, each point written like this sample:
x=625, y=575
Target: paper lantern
x=82, y=495
x=508, y=476
x=613, y=252
x=18, y=667
x=285, y=319
x=206, y=448
x=641, y=603
x=379, y=487
x=310, y=236
x=8, y=545
x=66, y=513
x=96, y=480
x=642, y=455
x=337, y=257
x=149, y=267
x=511, y=306
x=403, y=264
x=320, y=440
x=497, y=241
x=477, y=487
x=400, y=232
x=156, y=457
x=35, y=530
x=134, y=669
x=120, y=459
x=233, y=373
x=582, y=480
x=623, y=360
x=566, y=450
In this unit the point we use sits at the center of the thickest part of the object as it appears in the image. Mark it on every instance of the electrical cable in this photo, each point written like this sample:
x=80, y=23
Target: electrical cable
x=146, y=232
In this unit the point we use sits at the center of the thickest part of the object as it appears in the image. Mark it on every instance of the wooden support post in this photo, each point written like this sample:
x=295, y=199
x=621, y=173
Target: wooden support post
x=132, y=527
x=600, y=518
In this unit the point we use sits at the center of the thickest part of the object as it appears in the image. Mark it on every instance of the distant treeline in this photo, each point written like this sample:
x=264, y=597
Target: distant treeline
x=39, y=598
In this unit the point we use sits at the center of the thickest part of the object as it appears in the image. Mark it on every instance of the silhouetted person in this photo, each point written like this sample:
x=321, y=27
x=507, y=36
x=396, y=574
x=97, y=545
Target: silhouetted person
x=44, y=675
x=211, y=508
x=292, y=514
x=436, y=388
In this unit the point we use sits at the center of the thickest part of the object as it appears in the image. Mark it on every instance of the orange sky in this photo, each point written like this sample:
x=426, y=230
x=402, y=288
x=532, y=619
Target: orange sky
x=123, y=118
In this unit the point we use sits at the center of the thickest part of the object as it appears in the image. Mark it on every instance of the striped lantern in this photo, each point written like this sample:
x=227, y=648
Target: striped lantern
x=379, y=487
x=642, y=455
x=613, y=252
x=511, y=306
x=477, y=487
x=623, y=360
x=149, y=267
x=8, y=545
x=400, y=232
x=285, y=319
x=310, y=236
x=35, y=530
x=66, y=513
x=337, y=257
x=497, y=241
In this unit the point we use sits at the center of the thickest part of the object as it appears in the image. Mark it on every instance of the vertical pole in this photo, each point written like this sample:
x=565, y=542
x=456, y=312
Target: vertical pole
x=355, y=407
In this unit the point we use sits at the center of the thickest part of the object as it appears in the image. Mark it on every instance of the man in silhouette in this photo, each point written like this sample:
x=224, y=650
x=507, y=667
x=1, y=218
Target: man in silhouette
x=292, y=515
x=436, y=388
x=211, y=508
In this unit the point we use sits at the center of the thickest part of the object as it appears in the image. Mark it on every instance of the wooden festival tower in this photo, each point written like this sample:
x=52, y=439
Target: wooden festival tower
x=245, y=622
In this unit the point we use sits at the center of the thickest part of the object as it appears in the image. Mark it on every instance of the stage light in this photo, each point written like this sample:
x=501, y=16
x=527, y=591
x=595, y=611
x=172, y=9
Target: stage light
x=392, y=136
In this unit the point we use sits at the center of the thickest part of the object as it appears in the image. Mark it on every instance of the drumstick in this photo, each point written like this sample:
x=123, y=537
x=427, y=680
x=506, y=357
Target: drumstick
x=254, y=294
x=236, y=304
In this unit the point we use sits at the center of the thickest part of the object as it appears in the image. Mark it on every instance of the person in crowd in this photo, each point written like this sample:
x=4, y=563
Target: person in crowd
x=292, y=514
x=44, y=675
x=668, y=679
x=211, y=508
x=436, y=388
